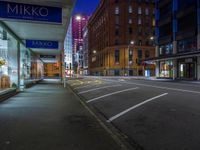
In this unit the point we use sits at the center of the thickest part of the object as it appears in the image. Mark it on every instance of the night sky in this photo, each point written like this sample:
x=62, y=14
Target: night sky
x=85, y=6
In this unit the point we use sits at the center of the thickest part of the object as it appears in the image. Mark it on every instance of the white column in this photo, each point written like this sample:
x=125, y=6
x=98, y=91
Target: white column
x=157, y=69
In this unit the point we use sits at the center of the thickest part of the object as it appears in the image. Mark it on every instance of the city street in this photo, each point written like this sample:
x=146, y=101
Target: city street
x=154, y=115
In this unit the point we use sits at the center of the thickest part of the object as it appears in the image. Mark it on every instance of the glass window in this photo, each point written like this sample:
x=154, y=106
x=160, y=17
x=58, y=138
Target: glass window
x=130, y=9
x=8, y=61
x=166, y=69
x=130, y=21
x=139, y=21
x=187, y=45
x=117, y=10
x=146, y=11
x=117, y=56
x=147, y=53
x=139, y=10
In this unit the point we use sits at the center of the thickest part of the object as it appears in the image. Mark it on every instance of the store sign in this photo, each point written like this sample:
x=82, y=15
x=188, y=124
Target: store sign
x=42, y=44
x=48, y=56
x=19, y=11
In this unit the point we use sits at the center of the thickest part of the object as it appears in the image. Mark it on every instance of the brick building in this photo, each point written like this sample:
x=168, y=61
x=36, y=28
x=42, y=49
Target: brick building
x=121, y=36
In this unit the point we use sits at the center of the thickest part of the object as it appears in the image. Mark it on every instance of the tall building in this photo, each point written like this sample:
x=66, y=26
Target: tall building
x=121, y=37
x=68, y=48
x=178, y=39
x=78, y=23
x=85, y=51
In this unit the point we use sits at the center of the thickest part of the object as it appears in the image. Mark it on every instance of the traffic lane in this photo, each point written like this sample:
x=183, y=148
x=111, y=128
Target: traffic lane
x=109, y=90
x=171, y=122
x=161, y=85
x=170, y=84
x=112, y=105
x=94, y=86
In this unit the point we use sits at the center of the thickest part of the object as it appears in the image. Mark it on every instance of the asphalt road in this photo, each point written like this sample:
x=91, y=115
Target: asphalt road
x=155, y=115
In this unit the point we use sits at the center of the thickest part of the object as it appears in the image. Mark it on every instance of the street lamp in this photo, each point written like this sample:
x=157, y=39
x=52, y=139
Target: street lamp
x=131, y=43
x=78, y=17
x=94, y=51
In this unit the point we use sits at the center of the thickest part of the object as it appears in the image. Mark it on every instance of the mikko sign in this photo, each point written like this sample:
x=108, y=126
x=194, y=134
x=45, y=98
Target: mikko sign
x=42, y=44
x=10, y=10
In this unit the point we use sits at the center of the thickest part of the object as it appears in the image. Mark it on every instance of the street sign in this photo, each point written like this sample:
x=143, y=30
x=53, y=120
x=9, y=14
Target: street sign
x=20, y=11
x=42, y=44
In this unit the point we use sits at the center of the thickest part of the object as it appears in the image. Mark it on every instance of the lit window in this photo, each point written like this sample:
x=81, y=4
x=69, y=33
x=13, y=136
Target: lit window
x=130, y=9
x=147, y=11
x=117, y=10
x=130, y=21
x=139, y=21
x=139, y=10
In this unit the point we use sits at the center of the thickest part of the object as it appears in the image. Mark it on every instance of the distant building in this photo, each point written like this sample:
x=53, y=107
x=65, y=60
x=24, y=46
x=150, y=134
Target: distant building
x=85, y=50
x=68, y=49
x=78, y=23
x=121, y=36
x=178, y=39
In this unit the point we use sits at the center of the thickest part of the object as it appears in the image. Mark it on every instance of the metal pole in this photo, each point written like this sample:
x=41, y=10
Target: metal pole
x=128, y=58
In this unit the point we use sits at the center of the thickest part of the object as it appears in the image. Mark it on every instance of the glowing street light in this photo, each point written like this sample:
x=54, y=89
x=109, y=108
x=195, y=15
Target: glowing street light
x=151, y=38
x=94, y=51
x=131, y=43
x=78, y=17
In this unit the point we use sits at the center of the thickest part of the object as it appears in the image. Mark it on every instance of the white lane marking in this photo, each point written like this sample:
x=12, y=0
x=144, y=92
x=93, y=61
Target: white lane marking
x=98, y=89
x=94, y=99
x=159, y=87
x=134, y=107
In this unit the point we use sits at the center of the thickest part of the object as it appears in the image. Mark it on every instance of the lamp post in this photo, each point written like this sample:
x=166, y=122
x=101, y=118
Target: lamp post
x=131, y=43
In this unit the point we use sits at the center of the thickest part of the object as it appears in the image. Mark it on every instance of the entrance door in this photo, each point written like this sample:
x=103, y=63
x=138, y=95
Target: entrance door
x=187, y=70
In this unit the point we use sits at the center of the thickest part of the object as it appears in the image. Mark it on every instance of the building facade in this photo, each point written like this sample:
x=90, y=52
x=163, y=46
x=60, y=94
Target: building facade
x=68, y=48
x=85, y=51
x=178, y=39
x=78, y=23
x=121, y=37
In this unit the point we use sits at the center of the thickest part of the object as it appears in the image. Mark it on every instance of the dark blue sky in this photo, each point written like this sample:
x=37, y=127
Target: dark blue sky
x=85, y=6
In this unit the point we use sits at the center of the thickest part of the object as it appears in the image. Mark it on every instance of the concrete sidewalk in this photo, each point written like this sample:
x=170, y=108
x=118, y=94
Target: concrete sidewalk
x=49, y=117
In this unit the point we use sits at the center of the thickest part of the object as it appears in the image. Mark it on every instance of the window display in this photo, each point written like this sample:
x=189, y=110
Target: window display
x=166, y=69
x=31, y=67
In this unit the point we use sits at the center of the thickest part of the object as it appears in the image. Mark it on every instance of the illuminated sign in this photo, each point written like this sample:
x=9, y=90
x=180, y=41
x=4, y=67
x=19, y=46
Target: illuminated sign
x=42, y=44
x=19, y=11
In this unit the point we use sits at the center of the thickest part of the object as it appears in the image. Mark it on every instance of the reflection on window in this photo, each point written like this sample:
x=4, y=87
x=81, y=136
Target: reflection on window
x=166, y=49
x=187, y=45
x=166, y=69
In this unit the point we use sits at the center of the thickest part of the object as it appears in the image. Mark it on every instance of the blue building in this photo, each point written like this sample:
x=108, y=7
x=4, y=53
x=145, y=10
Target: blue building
x=178, y=39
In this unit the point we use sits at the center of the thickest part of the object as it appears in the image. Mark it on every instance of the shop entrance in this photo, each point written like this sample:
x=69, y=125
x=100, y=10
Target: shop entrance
x=187, y=69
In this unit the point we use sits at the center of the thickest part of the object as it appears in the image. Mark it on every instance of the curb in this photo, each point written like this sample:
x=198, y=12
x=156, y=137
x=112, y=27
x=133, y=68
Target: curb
x=116, y=135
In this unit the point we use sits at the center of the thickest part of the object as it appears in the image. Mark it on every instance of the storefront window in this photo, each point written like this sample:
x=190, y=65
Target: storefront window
x=166, y=69
x=31, y=67
x=187, y=68
x=8, y=61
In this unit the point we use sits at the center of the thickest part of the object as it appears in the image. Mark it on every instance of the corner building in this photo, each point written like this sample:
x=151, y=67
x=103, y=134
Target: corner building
x=120, y=38
x=178, y=39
